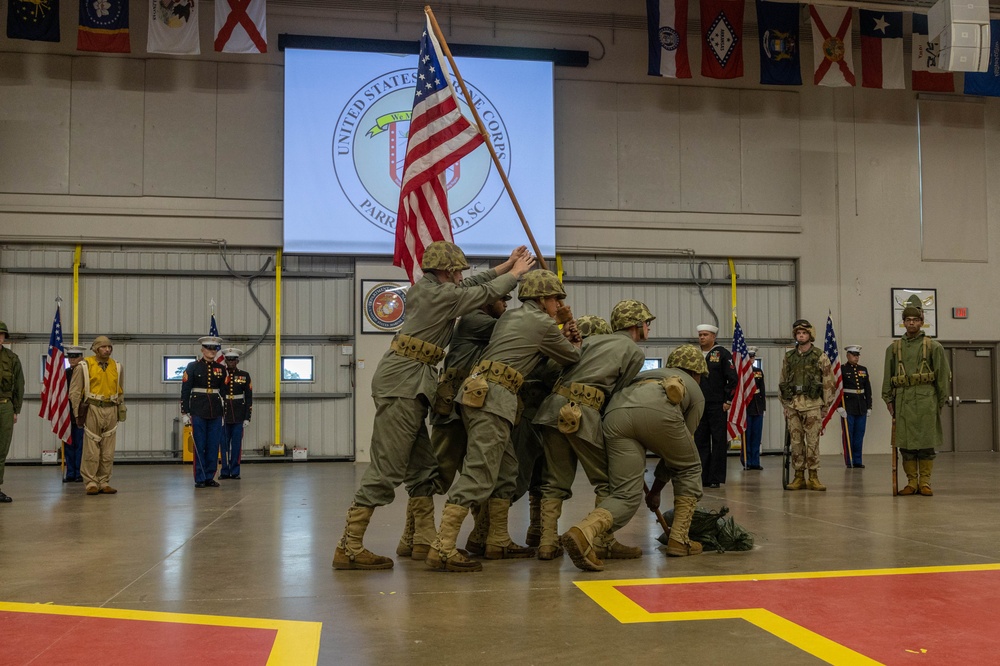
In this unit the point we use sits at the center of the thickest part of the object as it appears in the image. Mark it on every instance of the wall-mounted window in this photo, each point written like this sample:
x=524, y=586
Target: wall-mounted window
x=652, y=363
x=297, y=369
x=174, y=366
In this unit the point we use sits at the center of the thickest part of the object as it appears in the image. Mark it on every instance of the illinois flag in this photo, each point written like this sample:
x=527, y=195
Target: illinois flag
x=173, y=27
x=881, y=49
x=778, y=30
x=240, y=26
x=30, y=19
x=103, y=26
x=926, y=75
x=668, y=41
x=722, y=39
x=988, y=82
x=832, y=49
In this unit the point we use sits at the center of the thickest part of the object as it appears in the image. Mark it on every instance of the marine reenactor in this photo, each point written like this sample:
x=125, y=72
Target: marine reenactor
x=237, y=407
x=11, y=399
x=712, y=436
x=755, y=417
x=857, y=404
x=807, y=391
x=915, y=385
x=489, y=398
x=404, y=387
x=204, y=382
x=97, y=397
x=73, y=449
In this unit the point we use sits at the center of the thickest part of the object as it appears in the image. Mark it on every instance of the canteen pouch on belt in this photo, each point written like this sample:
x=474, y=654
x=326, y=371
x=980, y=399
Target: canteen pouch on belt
x=569, y=418
x=122, y=412
x=675, y=390
x=476, y=388
x=444, y=398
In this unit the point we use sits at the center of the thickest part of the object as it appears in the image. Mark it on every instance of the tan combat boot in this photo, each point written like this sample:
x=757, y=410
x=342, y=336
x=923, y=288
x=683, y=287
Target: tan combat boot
x=608, y=547
x=813, y=483
x=405, y=546
x=579, y=539
x=534, y=534
x=799, y=482
x=424, y=532
x=476, y=543
x=443, y=556
x=351, y=552
x=499, y=545
x=925, y=467
x=549, y=548
x=679, y=545
x=910, y=467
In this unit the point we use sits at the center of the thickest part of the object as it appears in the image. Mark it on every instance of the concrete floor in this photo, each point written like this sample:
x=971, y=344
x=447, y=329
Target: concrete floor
x=261, y=547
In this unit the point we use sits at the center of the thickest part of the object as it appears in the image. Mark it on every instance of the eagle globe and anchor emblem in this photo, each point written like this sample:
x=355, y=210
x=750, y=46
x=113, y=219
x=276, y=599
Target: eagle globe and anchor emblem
x=369, y=149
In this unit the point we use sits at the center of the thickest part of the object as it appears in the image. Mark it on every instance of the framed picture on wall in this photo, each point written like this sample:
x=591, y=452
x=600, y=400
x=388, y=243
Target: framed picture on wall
x=928, y=301
x=383, y=305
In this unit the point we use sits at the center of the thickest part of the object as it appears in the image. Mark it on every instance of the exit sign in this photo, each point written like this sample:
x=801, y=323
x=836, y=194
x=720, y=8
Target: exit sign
x=960, y=313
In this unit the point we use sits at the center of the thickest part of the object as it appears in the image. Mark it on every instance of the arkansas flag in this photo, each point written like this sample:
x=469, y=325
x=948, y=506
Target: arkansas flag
x=103, y=26
x=926, y=75
x=173, y=27
x=832, y=49
x=881, y=49
x=722, y=39
x=240, y=26
x=668, y=48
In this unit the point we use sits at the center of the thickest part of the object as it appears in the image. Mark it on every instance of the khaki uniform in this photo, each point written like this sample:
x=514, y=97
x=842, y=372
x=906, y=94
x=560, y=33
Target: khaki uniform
x=607, y=363
x=100, y=387
x=404, y=387
x=918, y=406
x=807, y=391
x=11, y=398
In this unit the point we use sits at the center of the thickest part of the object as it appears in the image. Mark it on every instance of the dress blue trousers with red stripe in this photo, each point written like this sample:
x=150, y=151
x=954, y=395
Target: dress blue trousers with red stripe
x=207, y=438
x=755, y=429
x=73, y=452
x=856, y=428
x=232, y=448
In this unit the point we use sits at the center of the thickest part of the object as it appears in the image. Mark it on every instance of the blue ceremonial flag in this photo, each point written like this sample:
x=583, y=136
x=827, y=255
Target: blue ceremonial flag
x=778, y=39
x=37, y=20
x=988, y=82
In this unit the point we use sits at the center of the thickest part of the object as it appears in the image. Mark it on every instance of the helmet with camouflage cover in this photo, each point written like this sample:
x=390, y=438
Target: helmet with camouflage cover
x=629, y=313
x=688, y=357
x=539, y=284
x=592, y=325
x=804, y=325
x=443, y=256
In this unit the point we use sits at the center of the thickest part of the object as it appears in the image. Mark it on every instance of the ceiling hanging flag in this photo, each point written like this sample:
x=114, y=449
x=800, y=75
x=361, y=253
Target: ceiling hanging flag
x=778, y=32
x=103, y=26
x=988, y=82
x=881, y=49
x=241, y=26
x=722, y=39
x=832, y=49
x=926, y=76
x=33, y=19
x=668, y=40
x=173, y=27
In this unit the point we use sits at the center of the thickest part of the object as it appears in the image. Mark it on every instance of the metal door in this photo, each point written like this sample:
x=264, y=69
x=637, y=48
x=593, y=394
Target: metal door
x=968, y=418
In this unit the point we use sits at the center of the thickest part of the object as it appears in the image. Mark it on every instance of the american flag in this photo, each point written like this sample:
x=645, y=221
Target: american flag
x=746, y=387
x=213, y=330
x=439, y=136
x=55, y=392
x=830, y=349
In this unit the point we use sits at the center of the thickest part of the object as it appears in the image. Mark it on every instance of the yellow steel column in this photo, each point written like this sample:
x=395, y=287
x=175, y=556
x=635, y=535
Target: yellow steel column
x=76, y=295
x=277, y=448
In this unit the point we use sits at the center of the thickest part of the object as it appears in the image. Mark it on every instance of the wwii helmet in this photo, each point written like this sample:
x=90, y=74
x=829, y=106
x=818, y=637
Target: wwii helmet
x=3, y=328
x=629, y=313
x=688, y=357
x=540, y=284
x=100, y=341
x=804, y=325
x=592, y=325
x=443, y=256
x=913, y=308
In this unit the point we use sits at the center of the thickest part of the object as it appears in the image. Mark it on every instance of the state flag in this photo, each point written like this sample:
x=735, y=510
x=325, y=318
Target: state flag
x=34, y=20
x=722, y=39
x=668, y=40
x=173, y=27
x=881, y=49
x=240, y=26
x=926, y=75
x=778, y=30
x=988, y=82
x=103, y=26
x=833, y=55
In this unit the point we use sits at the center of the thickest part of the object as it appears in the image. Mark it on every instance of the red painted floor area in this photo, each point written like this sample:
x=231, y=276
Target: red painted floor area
x=889, y=618
x=65, y=639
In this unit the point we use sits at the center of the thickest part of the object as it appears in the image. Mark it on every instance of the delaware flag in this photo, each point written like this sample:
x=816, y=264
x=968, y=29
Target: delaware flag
x=240, y=26
x=37, y=21
x=833, y=53
x=722, y=39
x=103, y=26
x=882, y=49
x=778, y=30
x=988, y=82
x=173, y=27
x=668, y=41
x=926, y=75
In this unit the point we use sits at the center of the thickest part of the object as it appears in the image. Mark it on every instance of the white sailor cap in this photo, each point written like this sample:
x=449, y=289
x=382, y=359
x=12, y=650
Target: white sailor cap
x=210, y=341
x=752, y=351
x=708, y=327
x=853, y=349
x=232, y=352
x=74, y=350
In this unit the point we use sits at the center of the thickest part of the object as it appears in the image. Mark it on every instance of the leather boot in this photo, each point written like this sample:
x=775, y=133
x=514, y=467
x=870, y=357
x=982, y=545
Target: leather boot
x=443, y=555
x=608, y=547
x=499, y=545
x=679, y=545
x=534, y=534
x=925, y=467
x=813, y=483
x=549, y=548
x=405, y=546
x=424, y=533
x=351, y=552
x=799, y=482
x=476, y=544
x=910, y=467
x=579, y=539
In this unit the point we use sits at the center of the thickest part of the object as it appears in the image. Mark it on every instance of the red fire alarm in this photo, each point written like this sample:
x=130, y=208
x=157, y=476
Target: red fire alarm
x=960, y=313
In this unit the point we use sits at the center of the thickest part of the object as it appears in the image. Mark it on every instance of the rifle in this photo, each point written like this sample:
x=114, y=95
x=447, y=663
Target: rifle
x=786, y=466
x=895, y=455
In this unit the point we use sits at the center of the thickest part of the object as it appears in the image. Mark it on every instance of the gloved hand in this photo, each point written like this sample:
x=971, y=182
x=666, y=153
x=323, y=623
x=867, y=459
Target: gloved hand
x=246, y=423
x=186, y=419
x=842, y=412
x=869, y=413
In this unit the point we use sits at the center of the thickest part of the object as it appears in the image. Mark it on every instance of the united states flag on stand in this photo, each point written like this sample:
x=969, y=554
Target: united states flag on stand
x=439, y=136
x=830, y=349
x=746, y=387
x=213, y=330
x=55, y=392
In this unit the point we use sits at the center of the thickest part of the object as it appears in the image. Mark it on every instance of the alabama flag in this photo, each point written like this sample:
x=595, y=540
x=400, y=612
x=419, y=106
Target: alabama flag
x=240, y=26
x=832, y=49
x=926, y=75
x=722, y=39
x=881, y=49
x=668, y=48
x=173, y=27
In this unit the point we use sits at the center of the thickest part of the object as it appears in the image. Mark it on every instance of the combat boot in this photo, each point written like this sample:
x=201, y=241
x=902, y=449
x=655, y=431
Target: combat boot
x=813, y=483
x=679, y=545
x=476, y=543
x=405, y=546
x=534, y=534
x=549, y=548
x=608, y=547
x=351, y=552
x=579, y=539
x=422, y=509
x=499, y=545
x=443, y=556
x=910, y=467
x=799, y=482
x=925, y=467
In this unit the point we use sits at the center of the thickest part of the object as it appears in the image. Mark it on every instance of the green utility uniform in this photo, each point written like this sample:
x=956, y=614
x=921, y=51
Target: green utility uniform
x=807, y=390
x=527, y=439
x=923, y=386
x=11, y=398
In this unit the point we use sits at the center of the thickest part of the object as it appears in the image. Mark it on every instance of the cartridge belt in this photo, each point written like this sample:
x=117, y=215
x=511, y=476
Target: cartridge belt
x=100, y=403
x=582, y=394
x=500, y=373
x=416, y=349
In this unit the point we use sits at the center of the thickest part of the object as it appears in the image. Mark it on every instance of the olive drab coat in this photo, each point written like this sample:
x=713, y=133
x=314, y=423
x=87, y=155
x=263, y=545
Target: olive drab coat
x=918, y=407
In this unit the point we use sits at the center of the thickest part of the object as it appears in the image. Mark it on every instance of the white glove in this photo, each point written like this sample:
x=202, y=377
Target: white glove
x=186, y=419
x=842, y=412
x=869, y=413
x=246, y=423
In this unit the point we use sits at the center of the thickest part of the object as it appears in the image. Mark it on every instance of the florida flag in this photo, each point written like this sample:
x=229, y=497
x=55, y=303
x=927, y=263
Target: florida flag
x=241, y=26
x=832, y=49
x=668, y=48
x=722, y=39
x=926, y=75
x=881, y=49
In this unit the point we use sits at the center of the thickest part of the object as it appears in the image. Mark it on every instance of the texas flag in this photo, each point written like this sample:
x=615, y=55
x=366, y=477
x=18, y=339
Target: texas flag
x=722, y=39
x=926, y=75
x=668, y=48
x=881, y=49
x=833, y=53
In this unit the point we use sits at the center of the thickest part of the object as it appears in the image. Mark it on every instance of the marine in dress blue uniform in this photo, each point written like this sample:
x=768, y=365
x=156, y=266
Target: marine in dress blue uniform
x=755, y=417
x=857, y=402
x=712, y=437
x=201, y=406
x=74, y=446
x=237, y=405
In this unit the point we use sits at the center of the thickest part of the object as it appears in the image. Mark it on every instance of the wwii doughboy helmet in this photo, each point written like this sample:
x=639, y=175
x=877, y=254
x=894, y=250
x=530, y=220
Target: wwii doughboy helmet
x=804, y=325
x=592, y=325
x=443, y=256
x=914, y=308
x=629, y=313
x=688, y=357
x=539, y=284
